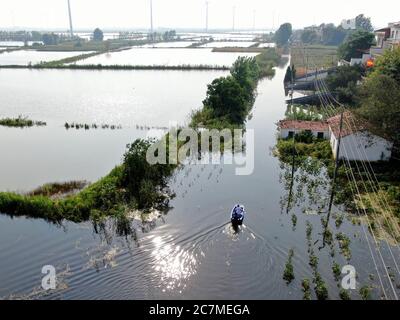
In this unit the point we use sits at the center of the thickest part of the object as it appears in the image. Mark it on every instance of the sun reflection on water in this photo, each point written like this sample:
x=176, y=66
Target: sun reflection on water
x=174, y=264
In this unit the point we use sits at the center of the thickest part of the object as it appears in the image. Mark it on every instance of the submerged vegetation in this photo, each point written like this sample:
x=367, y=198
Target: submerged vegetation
x=94, y=126
x=365, y=292
x=344, y=294
x=318, y=149
x=61, y=64
x=21, y=122
x=306, y=288
x=344, y=245
x=288, y=273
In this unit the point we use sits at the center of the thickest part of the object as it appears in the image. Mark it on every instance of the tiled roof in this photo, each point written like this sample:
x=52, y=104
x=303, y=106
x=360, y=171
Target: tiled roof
x=303, y=125
x=350, y=124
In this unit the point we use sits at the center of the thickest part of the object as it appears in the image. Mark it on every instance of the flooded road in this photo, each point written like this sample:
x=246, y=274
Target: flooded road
x=192, y=252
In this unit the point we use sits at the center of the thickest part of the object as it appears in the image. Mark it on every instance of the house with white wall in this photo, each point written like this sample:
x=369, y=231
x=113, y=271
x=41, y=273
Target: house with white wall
x=357, y=142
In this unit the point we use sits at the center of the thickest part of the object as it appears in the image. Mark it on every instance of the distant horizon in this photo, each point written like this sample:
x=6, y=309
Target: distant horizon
x=143, y=29
x=187, y=14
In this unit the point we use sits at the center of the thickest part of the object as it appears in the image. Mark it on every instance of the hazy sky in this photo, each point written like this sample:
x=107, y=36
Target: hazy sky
x=190, y=13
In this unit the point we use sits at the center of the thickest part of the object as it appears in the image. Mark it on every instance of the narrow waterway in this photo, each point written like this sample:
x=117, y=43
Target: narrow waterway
x=192, y=252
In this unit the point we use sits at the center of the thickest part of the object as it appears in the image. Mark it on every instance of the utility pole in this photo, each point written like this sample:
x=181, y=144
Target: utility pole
x=71, y=30
x=273, y=21
x=334, y=176
x=306, y=66
x=290, y=197
x=206, y=16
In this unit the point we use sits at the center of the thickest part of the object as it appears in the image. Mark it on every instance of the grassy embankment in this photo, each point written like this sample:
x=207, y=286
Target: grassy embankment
x=100, y=46
x=251, y=49
x=55, y=65
x=69, y=63
x=136, y=184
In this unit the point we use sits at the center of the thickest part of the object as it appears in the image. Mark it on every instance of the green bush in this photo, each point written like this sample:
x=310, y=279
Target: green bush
x=133, y=182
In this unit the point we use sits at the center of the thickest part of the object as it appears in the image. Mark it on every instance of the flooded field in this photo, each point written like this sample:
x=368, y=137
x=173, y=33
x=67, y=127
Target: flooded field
x=233, y=44
x=165, y=57
x=34, y=156
x=25, y=57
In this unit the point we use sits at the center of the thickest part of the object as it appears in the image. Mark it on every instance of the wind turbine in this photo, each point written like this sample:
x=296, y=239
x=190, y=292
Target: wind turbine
x=206, y=16
x=254, y=20
x=71, y=30
x=151, y=17
x=234, y=17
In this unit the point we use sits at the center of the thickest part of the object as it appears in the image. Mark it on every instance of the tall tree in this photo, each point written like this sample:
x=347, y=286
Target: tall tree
x=380, y=106
x=309, y=36
x=282, y=35
x=356, y=44
x=332, y=35
x=226, y=98
x=364, y=23
x=98, y=35
x=389, y=64
x=343, y=83
x=50, y=39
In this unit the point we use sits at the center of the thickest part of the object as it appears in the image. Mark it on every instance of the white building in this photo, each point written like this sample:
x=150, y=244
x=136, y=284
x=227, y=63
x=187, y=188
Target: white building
x=357, y=143
x=348, y=24
x=386, y=38
x=394, y=39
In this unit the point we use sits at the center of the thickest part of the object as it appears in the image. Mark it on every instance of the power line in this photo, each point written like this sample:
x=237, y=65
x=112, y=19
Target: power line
x=325, y=107
x=325, y=104
x=387, y=216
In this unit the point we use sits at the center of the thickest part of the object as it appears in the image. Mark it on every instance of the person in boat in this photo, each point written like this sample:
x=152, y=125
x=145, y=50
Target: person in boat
x=237, y=213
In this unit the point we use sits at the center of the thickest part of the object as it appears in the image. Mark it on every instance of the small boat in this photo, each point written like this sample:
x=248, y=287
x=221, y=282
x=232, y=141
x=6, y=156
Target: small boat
x=237, y=215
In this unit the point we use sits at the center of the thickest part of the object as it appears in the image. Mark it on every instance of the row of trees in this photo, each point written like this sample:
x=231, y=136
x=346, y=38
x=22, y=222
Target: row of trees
x=20, y=36
x=229, y=99
x=47, y=38
x=329, y=34
x=283, y=34
x=356, y=44
x=166, y=36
